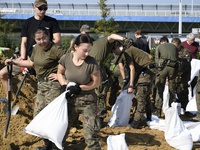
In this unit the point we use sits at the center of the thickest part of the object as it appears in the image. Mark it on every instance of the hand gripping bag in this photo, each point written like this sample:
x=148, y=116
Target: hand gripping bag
x=121, y=110
x=52, y=122
x=117, y=142
x=176, y=133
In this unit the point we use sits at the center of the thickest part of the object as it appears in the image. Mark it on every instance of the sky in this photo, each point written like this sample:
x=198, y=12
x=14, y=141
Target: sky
x=115, y=1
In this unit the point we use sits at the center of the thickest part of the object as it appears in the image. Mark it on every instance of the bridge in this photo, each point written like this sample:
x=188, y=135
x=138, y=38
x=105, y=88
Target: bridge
x=151, y=18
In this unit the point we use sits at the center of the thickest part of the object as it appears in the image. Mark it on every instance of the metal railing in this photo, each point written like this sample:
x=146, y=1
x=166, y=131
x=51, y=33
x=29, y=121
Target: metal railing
x=93, y=9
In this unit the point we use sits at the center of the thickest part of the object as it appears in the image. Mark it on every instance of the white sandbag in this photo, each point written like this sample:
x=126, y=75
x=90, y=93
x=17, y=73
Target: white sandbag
x=121, y=110
x=52, y=122
x=176, y=134
x=195, y=67
x=194, y=129
x=117, y=142
x=166, y=97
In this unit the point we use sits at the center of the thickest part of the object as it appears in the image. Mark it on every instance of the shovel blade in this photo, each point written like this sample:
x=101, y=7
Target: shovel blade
x=14, y=110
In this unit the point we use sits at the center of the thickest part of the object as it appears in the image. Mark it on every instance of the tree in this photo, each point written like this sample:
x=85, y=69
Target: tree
x=105, y=26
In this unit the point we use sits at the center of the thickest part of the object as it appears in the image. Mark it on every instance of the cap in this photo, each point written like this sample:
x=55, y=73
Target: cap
x=17, y=49
x=85, y=28
x=39, y=3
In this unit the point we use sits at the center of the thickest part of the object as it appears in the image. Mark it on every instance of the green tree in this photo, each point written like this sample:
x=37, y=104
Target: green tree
x=105, y=26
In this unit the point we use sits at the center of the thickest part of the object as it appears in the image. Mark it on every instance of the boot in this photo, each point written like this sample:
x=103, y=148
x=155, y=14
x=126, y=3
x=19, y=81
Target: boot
x=134, y=124
x=158, y=113
x=47, y=146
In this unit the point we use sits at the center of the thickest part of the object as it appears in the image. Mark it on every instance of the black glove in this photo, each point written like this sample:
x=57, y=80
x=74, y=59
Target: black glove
x=68, y=95
x=63, y=88
x=127, y=43
x=74, y=89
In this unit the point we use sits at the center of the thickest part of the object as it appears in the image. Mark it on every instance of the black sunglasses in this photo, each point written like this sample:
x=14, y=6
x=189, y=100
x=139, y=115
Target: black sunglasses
x=42, y=8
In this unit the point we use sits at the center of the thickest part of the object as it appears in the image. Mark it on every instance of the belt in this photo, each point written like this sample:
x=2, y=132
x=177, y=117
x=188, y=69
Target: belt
x=88, y=92
x=45, y=79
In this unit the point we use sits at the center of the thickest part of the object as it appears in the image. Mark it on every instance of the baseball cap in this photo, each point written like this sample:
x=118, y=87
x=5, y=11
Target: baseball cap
x=39, y=3
x=85, y=28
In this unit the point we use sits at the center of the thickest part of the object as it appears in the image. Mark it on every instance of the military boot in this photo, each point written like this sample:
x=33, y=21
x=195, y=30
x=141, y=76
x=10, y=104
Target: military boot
x=47, y=146
x=158, y=113
x=134, y=124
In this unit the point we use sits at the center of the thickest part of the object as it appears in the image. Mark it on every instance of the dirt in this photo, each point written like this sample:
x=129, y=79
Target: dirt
x=137, y=139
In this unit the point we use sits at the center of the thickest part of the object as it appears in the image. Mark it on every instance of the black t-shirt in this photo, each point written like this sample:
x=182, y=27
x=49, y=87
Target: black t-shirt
x=142, y=44
x=31, y=23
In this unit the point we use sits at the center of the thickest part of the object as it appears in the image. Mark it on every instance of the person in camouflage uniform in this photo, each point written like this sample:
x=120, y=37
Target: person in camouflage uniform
x=100, y=50
x=142, y=74
x=197, y=118
x=82, y=69
x=44, y=59
x=166, y=58
x=184, y=71
x=117, y=78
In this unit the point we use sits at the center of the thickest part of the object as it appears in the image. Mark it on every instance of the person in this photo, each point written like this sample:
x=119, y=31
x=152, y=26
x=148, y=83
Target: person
x=82, y=69
x=184, y=71
x=85, y=29
x=44, y=59
x=141, y=41
x=142, y=73
x=100, y=50
x=27, y=43
x=197, y=94
x=120, y=75
x=191, y=45
x=166, y=59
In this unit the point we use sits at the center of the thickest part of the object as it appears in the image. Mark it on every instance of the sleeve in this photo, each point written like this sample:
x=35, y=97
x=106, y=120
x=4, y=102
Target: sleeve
x=33, y=54
x=94, y=66
x=62, y=61
x=24, y=29
x=60, y=52
x=55, y=26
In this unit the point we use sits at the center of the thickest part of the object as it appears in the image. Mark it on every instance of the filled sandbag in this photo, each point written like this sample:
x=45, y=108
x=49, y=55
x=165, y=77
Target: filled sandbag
x=117, y=142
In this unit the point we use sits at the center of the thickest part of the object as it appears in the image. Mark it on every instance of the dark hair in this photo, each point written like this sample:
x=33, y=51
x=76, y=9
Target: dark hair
x=164, y=39
x=176, y=40
x=40, y=29
x=83, y=38
x=138, y=32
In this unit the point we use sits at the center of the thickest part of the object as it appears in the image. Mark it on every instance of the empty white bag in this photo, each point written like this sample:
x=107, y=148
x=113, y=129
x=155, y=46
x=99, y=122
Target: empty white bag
x=121, y=110
x=52, y=122
x=117, y=142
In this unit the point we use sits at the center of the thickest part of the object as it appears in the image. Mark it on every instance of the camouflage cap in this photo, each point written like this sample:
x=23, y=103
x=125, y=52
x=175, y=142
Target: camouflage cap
x=39, y=3
x=85, y=28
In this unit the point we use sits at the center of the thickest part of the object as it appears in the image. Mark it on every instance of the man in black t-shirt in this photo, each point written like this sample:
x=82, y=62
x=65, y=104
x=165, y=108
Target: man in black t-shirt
x=141, y=41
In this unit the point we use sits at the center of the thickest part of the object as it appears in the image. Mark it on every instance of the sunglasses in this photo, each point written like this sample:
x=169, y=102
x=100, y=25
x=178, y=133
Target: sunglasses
x=42, y=8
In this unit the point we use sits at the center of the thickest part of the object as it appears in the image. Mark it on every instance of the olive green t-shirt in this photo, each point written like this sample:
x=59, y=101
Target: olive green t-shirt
x=79, y=74
x=166, y=51
x=46, y=61
x=139, y=57
x=101, y=49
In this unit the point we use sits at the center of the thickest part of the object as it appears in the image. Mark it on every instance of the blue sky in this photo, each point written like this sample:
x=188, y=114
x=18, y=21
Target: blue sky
x=117, y=1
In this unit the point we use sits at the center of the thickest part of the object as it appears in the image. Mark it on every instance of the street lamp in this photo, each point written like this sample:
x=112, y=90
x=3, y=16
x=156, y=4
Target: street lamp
x=180, y=18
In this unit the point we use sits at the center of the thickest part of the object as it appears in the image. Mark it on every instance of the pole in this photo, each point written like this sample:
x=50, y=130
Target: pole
x=180, y=18
x=192, y=8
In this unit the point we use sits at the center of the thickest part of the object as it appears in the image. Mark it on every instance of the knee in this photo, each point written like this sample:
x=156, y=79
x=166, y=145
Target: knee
x=3, y=74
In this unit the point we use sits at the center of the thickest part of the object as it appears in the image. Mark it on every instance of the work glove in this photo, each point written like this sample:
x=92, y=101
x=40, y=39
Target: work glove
x=127, y=43
x=63, y=88
x=23, y=69
x=75, y=90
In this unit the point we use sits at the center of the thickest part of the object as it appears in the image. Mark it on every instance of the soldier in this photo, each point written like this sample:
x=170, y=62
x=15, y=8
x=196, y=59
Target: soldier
x=100, y=51
x=166, y=57
x=184, y=71
x=142, y=74
x=197, y=118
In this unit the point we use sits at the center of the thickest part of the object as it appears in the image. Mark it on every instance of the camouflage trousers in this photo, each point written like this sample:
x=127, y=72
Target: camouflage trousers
x=85, y=104
x=47, y=92
x=170, y=73
x=144, y=84
x=117, y=80
x=198, y=95
x=101, y=92
x=182, y=90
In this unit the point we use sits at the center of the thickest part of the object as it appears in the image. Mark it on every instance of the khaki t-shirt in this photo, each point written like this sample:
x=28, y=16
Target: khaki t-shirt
x=101, y=49
x=139, y=58
x=46, y=61
x=79, y=74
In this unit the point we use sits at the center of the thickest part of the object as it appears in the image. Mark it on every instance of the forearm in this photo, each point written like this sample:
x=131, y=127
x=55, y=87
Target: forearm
x=25, y=63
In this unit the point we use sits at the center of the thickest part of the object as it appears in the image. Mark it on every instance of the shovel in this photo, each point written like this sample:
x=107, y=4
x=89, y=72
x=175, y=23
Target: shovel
x=9, y=106
x=16, y=108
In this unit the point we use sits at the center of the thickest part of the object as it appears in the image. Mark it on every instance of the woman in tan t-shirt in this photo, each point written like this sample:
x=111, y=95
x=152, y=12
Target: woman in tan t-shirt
x=82, y=69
